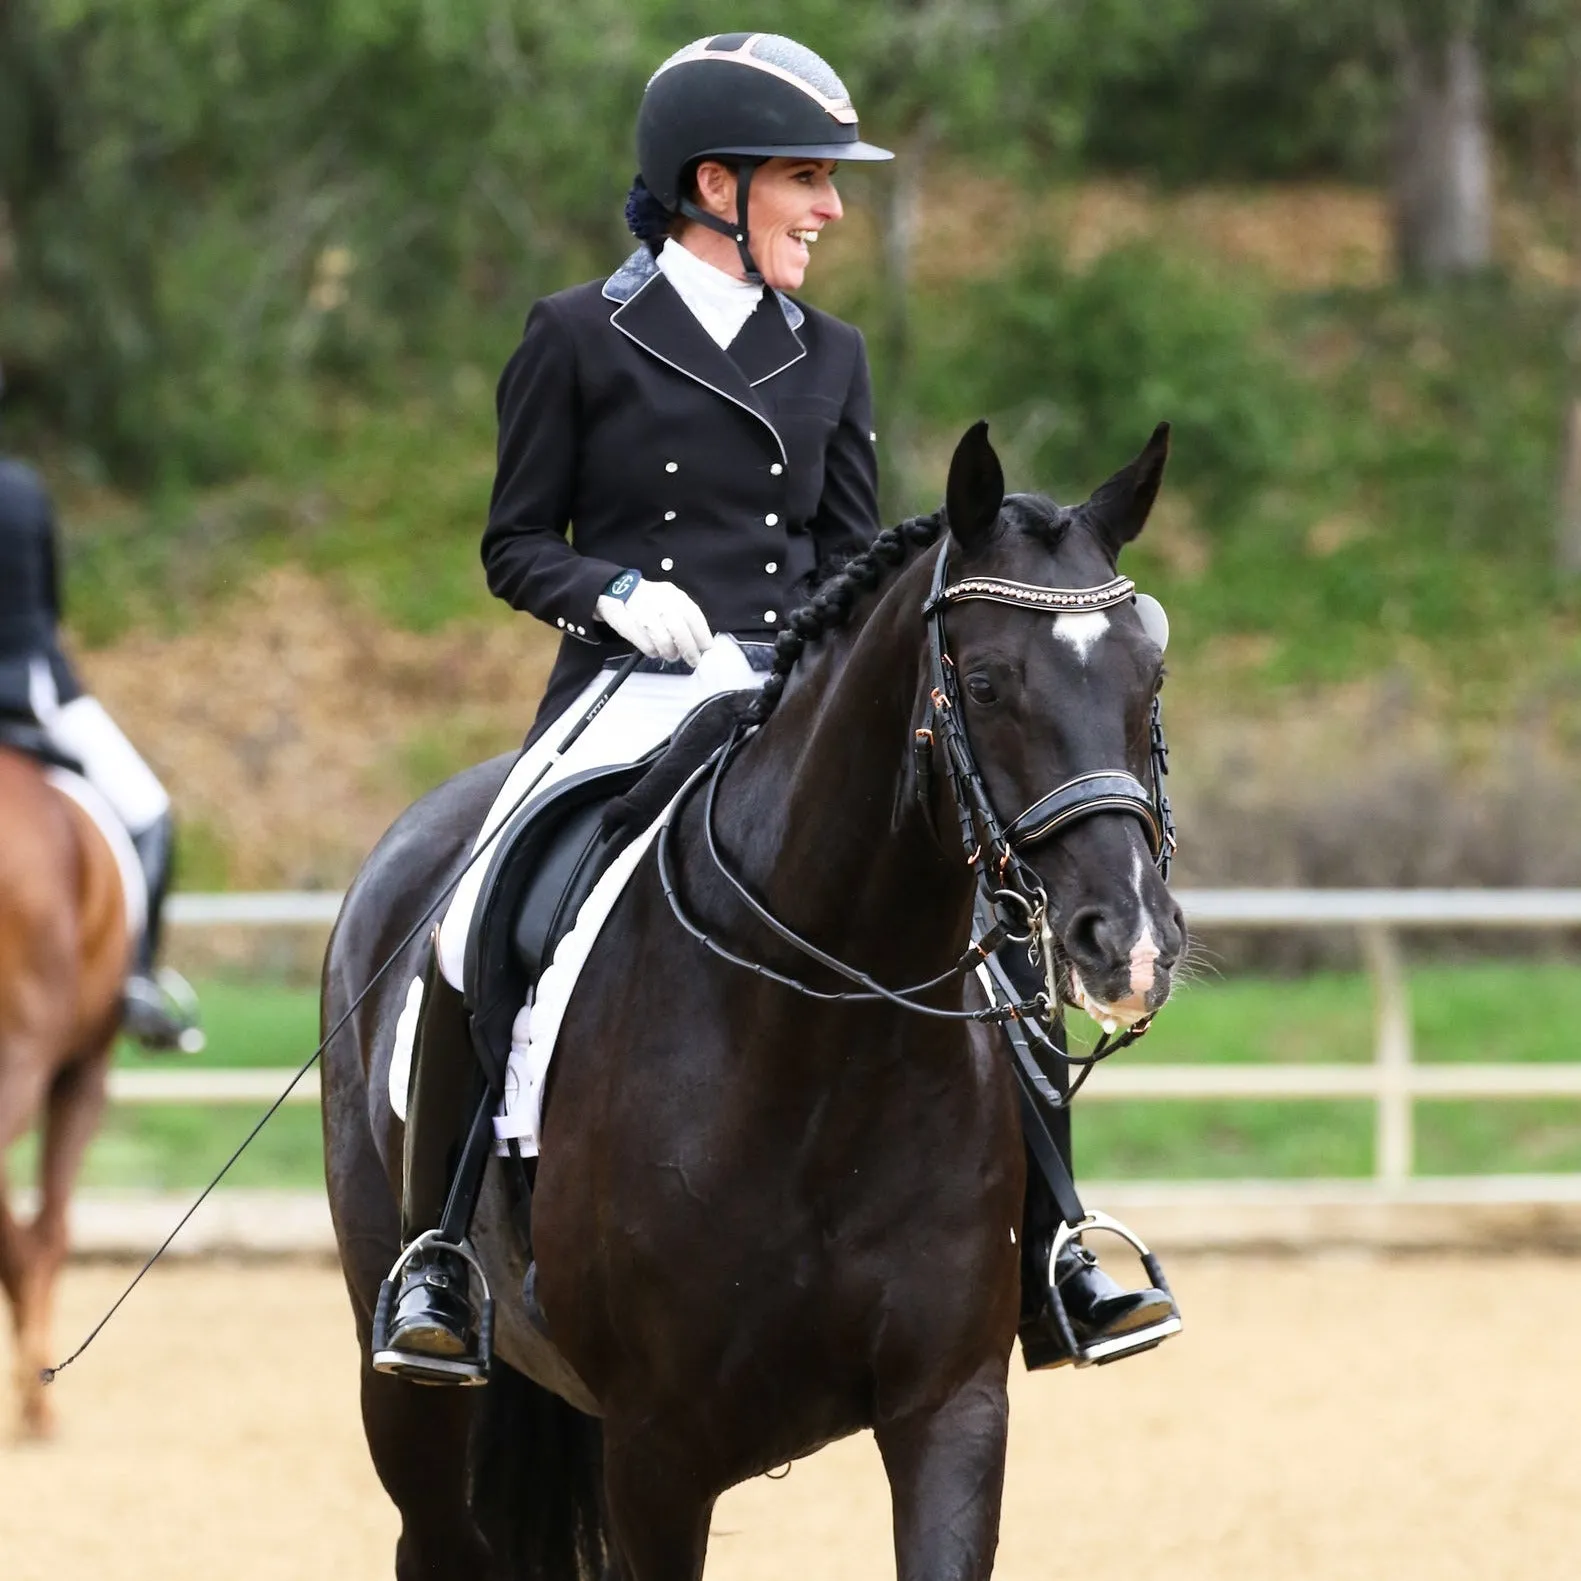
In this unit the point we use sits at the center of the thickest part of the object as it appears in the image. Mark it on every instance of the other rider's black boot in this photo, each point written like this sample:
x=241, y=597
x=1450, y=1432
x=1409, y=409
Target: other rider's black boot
x=158, y=1007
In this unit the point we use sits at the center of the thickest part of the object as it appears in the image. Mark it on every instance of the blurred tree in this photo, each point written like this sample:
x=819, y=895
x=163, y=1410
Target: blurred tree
x=1441, y=176
x=1545, y=81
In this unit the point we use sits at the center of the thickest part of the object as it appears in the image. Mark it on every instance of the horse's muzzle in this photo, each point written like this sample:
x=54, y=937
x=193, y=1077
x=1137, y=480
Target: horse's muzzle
x=1120, y=974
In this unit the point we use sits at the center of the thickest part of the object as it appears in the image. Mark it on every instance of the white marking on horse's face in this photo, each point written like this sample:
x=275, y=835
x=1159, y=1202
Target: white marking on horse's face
x=1081, y=630
x=1143, y=956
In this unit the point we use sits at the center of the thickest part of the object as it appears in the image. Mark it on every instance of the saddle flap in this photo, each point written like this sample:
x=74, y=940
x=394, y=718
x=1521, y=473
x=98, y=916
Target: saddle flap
x=548, y=858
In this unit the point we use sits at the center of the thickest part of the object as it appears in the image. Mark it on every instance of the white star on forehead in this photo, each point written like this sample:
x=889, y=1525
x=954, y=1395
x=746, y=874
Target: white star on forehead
x=1081, y=630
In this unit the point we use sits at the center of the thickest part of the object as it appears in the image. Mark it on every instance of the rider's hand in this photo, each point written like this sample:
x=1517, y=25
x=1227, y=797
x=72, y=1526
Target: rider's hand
x=658, y=620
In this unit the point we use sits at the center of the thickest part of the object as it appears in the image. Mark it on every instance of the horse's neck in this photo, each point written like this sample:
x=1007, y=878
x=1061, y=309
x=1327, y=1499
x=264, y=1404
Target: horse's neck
x=830, y=830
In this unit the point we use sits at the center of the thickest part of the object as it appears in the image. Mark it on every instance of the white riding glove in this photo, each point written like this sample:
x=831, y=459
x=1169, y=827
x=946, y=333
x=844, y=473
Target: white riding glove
x=659, y=621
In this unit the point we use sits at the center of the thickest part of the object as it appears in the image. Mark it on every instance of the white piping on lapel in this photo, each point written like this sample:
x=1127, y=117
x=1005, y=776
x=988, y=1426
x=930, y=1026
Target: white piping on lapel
x=794, y=360
x=614, y=319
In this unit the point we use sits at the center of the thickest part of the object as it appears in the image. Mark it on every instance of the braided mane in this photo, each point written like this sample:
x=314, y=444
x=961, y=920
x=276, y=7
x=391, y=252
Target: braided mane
x=830, y=607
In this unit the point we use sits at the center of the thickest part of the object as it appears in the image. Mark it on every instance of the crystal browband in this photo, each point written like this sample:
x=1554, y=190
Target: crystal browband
x=1104, y=596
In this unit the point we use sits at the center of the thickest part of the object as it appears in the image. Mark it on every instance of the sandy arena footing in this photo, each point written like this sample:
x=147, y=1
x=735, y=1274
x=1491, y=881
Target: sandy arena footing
x=1344, y=1417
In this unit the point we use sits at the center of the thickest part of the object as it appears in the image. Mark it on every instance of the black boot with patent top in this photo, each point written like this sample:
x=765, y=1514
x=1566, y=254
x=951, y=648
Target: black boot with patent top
x=434, y=1318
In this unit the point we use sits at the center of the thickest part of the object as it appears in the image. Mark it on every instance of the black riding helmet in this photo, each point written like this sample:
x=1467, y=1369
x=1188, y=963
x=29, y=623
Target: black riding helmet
x=741, y=98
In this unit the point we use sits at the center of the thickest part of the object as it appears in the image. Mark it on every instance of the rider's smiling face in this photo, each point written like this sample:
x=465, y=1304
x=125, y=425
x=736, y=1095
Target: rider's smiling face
x=790, y=202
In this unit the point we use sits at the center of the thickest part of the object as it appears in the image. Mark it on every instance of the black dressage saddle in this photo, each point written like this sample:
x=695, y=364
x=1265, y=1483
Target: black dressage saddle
x=550, y=855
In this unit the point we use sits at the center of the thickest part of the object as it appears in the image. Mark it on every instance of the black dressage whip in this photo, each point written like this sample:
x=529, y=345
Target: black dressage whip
x=607, y=691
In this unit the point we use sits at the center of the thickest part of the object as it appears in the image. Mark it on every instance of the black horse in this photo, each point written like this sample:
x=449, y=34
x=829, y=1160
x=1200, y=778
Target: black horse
x=763, y=1220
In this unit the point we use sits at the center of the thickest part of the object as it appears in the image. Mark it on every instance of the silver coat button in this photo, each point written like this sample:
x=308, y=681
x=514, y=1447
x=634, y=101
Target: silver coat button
x=769, y=617
x=672, y=466
x=666, y=564
x=776, y=469
x=772, y=519
x=772, y=567
x=669, y=516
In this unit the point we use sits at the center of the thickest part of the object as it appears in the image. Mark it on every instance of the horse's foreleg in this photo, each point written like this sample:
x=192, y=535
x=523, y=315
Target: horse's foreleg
x=946, y=1468
x=71, y=1116
x=658, y=1516
x=418, y=1439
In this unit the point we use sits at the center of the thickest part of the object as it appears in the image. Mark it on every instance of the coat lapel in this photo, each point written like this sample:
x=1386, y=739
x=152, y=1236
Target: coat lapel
x=655, y=317
x=767, y=344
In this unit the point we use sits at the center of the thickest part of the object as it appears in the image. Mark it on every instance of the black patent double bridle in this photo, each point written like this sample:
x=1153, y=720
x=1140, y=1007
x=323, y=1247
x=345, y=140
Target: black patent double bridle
x=1005, y=882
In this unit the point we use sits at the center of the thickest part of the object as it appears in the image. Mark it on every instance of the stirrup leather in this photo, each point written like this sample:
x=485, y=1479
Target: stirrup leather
x=414, y=1365
x=1107, y=1350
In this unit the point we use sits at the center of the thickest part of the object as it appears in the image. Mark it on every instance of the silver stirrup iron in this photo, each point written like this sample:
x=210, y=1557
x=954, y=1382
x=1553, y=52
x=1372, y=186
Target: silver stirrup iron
x=413, y=1365
x=1106, y=1350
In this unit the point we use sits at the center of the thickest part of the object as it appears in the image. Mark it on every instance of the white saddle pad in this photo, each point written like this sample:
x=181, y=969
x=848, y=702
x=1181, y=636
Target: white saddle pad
x=134, y=887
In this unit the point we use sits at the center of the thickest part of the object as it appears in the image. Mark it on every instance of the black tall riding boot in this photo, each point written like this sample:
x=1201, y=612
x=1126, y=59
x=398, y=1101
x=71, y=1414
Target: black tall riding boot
x=429, y=1327
x=159, y=1008
x=1101, y=1311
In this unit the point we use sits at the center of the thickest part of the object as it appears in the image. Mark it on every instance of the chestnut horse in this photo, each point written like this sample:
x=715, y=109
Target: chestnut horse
x=64, y=946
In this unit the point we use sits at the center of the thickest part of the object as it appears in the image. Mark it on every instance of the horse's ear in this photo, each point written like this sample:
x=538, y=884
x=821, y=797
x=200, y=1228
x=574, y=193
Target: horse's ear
x=1118, y=509
x=976, y=490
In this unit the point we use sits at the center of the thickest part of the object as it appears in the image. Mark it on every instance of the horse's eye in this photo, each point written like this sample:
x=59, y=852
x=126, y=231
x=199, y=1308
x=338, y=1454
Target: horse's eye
x=980, y=689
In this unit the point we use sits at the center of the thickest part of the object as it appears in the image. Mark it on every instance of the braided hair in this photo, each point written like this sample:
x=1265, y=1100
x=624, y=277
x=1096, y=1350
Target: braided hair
x=830, y=607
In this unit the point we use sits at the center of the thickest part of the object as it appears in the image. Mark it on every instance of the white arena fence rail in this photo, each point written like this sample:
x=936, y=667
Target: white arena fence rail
x=1393, y=1080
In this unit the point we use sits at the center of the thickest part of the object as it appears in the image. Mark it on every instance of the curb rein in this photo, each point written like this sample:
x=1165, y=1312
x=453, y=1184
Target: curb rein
x=1004, y=881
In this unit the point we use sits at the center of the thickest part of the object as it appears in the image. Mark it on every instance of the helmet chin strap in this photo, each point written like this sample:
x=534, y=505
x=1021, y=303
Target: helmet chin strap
x=737, y=232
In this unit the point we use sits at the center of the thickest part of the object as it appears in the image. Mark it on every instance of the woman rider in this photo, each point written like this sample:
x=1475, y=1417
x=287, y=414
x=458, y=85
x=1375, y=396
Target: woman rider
x=38, y=688
x=707, y=440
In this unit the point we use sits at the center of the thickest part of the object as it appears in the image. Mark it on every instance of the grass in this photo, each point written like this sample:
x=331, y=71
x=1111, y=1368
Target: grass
x=1462, y=1012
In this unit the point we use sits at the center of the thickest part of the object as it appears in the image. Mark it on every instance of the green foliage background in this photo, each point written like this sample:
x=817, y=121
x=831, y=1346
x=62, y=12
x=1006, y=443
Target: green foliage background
x=262, y=261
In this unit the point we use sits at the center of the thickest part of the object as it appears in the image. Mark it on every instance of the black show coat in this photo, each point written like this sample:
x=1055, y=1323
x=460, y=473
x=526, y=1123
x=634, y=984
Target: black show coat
x=629, y=439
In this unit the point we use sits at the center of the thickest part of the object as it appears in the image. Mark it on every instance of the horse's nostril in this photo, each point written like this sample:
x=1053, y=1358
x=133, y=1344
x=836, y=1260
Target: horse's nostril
x=1174, y=941
x=1089, y=939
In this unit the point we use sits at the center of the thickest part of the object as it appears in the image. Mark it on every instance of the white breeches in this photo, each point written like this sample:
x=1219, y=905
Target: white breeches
x=644, y=710
x=110, y=763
